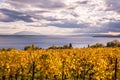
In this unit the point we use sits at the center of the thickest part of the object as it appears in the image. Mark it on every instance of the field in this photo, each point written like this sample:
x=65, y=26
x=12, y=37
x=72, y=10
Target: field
x=61, y=64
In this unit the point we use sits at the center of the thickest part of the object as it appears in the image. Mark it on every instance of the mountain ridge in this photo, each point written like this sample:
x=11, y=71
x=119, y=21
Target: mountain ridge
x=26, y=33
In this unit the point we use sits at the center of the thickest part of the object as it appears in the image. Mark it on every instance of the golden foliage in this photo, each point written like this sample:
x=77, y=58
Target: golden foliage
x=88, y=63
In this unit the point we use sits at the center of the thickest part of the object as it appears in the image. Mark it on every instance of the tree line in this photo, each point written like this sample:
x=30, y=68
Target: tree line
x=114, y=43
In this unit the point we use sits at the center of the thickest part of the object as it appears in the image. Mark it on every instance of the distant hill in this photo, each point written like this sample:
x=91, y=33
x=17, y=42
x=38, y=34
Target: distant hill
x=106, y=36
x=26, y=33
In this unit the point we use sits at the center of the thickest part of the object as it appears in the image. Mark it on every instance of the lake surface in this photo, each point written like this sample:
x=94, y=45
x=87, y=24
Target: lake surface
x=46, y=41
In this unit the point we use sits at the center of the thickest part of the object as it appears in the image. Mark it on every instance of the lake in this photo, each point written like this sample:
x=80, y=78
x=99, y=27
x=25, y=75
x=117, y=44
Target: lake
x=46, y=41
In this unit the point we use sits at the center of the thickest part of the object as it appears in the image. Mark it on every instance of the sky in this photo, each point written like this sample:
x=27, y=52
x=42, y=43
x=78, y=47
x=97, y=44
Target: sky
x=60, y=17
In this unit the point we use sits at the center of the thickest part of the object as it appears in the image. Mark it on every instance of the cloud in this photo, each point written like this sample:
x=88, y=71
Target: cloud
x=54, y=4
x=12, y=16
x=113, y=5
x=69, y=24
x=113, y=26
x=73, y=16
x=82, y=2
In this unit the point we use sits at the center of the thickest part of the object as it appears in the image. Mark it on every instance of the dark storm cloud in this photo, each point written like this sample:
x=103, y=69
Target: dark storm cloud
x=14, y=16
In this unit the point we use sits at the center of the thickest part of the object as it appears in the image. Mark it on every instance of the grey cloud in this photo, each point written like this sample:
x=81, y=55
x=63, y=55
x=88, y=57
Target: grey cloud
x=26, y=16
x=40, y=17
x=82, y=2
x=56, y=4
x=107, y=27
x=14, y=16
x=68, y=24
x=16, y=4
x=52, y=19
x=113, y=26
x=38, y=3
x=113, y=5
x=46, y=6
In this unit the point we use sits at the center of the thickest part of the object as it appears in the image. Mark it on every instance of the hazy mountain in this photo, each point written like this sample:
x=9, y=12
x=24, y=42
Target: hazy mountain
x=26, y=33
x=106, y=35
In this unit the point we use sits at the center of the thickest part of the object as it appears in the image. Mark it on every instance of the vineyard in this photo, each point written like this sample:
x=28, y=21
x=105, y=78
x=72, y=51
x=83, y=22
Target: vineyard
x=61, y=64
